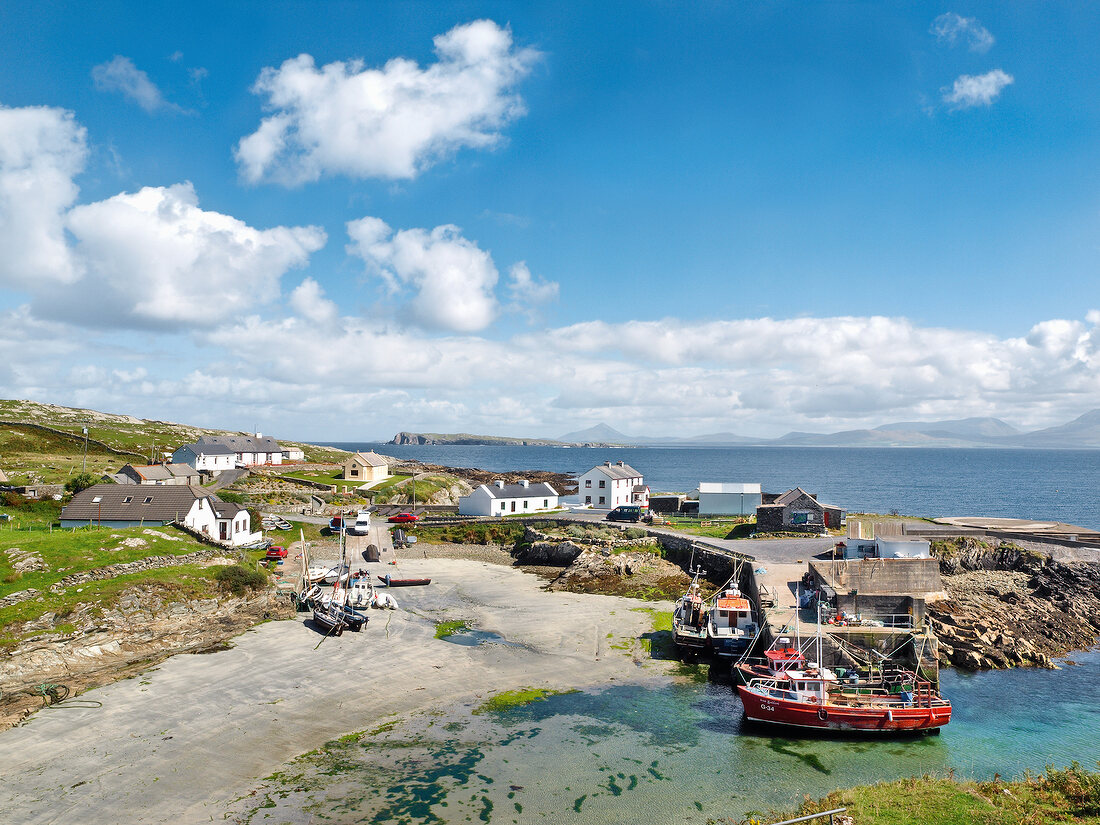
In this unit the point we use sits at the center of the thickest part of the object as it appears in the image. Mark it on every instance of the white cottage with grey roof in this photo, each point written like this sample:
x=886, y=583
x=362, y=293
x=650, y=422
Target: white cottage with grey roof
x=213, y=458
x=612, y=484
x=500, y=499
x=249, y=450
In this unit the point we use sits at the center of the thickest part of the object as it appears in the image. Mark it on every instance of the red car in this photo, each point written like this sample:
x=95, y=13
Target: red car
x=276, y=552
x=402, y=518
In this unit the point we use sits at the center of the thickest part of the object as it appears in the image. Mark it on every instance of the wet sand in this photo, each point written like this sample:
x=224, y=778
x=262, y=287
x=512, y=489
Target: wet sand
x=179, y=743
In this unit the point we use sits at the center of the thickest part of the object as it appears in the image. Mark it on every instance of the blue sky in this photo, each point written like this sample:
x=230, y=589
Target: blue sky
x=337, y=220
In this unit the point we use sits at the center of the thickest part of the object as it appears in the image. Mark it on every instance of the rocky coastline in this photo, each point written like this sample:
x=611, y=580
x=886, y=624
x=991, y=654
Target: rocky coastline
x=147, y=626
x=1010, y=607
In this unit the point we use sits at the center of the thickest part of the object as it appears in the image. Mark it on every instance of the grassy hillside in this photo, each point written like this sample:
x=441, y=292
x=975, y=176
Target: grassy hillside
x=38, y=557
x=28, y=455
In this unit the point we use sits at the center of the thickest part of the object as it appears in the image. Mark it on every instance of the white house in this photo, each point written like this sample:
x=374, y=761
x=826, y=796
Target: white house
x=728, y=499
x=250, y=450
x=500, y=499
x=211, y=457
x=610, y=485
x=293, y=454
x=131, y=505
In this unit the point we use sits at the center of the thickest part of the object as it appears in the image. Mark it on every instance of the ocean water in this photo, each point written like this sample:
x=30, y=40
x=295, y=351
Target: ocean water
x=1057, y=485
x=671, y=753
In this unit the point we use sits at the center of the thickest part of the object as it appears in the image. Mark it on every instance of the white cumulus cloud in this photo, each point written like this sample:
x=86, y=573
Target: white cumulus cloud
x=119, y=74
x=977, y=90
x=951, y=28
x=41, y=150
x=309, y=301
x=451, y=279
x=528, y=292
x=154, y=257
x=390, y=122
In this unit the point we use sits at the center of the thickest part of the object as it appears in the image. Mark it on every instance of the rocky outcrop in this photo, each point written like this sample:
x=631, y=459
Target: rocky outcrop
x=147, y=625
x=638, y=573
x=1008, y=607
x=546, y=549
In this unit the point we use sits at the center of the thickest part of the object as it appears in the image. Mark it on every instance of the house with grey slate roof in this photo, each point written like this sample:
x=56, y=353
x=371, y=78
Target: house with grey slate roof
x=249, y=450
x=130, y=505
x=500, y=499
x=157, y=474
x=211, y=458
x=612, y=484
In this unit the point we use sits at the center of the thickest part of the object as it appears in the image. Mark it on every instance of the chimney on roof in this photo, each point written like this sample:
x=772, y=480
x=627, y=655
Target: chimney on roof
x=259, y=435
x=499, y=483
x=607, y=464
x=524, y=483
x=620, y=464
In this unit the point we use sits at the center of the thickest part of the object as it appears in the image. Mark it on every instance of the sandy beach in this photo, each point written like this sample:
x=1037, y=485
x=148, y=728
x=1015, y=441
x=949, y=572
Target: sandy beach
x=180, y=742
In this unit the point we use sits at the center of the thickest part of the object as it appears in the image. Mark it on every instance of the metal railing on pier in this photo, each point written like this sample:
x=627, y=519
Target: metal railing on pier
x=809, y=817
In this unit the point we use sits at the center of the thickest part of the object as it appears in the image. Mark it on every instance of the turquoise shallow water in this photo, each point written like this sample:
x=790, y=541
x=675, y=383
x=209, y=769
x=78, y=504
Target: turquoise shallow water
x=671, y=753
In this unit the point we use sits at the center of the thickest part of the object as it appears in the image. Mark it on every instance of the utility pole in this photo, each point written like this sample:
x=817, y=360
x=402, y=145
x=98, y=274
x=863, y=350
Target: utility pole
x=84, y=464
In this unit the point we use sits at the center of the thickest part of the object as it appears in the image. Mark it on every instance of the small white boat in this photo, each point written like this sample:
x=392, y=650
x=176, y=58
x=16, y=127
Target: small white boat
x=361, y=592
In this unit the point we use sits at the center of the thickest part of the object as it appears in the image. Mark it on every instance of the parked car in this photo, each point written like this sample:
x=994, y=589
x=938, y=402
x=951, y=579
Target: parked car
x=626, y=512
x=336, y=524
x=401, y=518
x=276, y=552
x=361, y=527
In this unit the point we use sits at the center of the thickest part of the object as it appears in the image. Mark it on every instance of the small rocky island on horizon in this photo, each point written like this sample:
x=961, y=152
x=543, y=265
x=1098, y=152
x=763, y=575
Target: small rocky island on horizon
x=1082, y=432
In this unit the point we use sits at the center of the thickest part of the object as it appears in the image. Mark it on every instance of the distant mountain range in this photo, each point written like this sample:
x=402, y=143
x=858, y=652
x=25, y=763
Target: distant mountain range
x=1082, y=432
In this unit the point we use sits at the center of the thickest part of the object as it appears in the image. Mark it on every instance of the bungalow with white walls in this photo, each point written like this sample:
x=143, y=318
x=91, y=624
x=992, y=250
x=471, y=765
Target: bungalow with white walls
x=250, y=450
x=293, y=454
x=213, y=458
x=499, y=499
x=132, y=505
x=611, y=485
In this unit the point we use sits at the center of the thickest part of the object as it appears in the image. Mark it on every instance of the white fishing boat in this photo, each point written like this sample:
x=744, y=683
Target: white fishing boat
x=730, y=625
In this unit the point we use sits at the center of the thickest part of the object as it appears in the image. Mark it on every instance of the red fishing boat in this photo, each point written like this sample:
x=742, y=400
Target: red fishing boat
x=782, y=656
x=815, y=698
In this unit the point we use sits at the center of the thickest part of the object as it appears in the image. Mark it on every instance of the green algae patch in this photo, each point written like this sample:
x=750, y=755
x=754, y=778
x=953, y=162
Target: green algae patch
x=658, y=642
x=509, y=699
x=445, y=629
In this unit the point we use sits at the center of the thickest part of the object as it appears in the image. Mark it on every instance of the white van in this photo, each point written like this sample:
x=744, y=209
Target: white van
x=362, y=524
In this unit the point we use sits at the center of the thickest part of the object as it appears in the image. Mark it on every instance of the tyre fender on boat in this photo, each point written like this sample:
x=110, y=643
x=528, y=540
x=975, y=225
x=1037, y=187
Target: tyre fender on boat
x=822, y=714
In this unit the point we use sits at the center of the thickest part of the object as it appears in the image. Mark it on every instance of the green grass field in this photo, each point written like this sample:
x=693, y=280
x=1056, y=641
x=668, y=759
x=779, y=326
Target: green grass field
x=65, y=552
x=1070, y=795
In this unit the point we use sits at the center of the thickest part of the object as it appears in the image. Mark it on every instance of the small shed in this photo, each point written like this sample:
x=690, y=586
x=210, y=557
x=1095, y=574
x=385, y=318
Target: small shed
x=728, y=499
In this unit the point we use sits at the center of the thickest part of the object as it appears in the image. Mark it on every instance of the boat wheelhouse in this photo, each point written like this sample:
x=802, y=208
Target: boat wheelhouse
x=730, y=625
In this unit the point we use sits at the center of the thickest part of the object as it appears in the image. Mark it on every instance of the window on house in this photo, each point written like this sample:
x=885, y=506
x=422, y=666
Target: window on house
x=602, y=500
x=148, y=500
x=503, y=505
x=588, y=499
x=127, y=500
x=602, y=484
x=97, y=499
x=526, y=503
x=545, y=503
x=588, y=482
